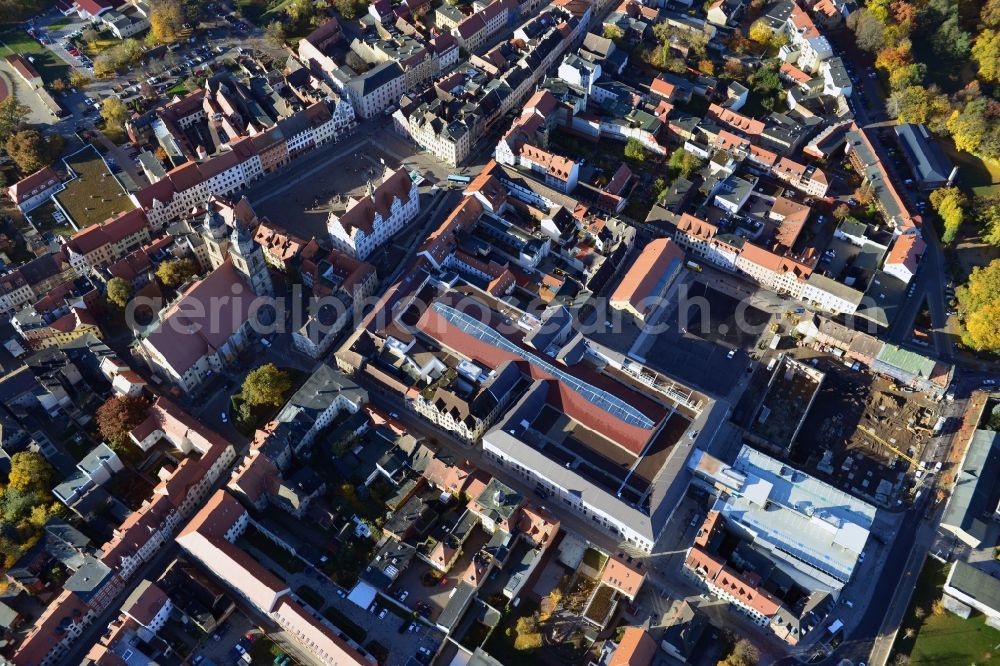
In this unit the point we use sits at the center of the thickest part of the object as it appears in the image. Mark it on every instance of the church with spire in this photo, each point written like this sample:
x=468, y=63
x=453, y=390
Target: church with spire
x=227, y=232
x=213, y=317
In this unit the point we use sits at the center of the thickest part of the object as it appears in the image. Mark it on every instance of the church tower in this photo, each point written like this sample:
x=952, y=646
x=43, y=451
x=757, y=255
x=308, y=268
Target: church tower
x=215, y=231
x=248, y=259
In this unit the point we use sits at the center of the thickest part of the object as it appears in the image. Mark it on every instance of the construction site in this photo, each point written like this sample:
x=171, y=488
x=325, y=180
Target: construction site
x=864, y=434
x=791, y=390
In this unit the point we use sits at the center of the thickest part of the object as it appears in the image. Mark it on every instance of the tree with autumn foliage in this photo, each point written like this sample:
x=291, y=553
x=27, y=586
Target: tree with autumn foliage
x=869, y=30
x=761, y=32
x=990, y=14
x=891, y=58
x=166, y=20
x=986, y=53
x=118, y=416
x=917, y=104
x=903, y=13
x=176, y=272
x=949, y=202
x=29, y=470
x=976, y=128
x=979, y=308
x=266, y=385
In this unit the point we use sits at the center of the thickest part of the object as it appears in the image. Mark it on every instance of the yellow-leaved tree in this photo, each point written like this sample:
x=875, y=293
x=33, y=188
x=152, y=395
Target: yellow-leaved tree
x=979, y=308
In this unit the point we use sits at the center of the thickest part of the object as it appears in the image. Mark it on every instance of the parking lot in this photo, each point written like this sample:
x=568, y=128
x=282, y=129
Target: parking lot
x=708, y=349
x=437, y=596
x=304, y=204
x=220, y=645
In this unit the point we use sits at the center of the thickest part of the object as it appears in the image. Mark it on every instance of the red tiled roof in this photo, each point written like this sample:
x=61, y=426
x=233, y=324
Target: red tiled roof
x=362, y=215
x=747, y=592
x=114, y=230
x=22, y=66
x=736, y=120
x=30, y=185
x=488, y=186
x=637, y=648
x=637, y=286
x=95, y=7
x=182, y=337
x=49, y=629
x=762, y=155
x=794, y=73
x=470, y=26
x=710, y=565
x=626, y=577
x=697, y=227
x=663, y=88
x=907, y=251
x=618, y=181
x=442, y=240
x=554, y=165
x=774, y=262
x=149, y=603
x=708, y=528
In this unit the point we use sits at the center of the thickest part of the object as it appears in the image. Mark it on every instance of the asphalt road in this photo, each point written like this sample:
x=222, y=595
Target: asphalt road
x=868, y=105
x=905, y=552
x=858, y=645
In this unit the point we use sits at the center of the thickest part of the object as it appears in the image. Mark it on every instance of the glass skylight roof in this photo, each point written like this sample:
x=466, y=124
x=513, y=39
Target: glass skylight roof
x=598, y=397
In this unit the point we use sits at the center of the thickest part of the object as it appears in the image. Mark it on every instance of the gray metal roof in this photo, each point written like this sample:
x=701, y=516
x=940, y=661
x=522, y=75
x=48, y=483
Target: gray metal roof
x=820, y=529
x=316, y=395
x=975, y=583
x=974, y=494
x=457, y=604
x=925, y=157
x=89, y=579
x=590, y=493
x=838, y=289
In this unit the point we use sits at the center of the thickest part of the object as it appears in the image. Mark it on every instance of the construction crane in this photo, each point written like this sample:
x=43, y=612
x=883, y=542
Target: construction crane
x=901, y=454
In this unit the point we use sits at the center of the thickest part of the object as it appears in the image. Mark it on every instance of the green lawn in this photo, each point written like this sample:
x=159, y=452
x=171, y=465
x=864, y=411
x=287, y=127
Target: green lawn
x=944, y=639
x=48, y=65
x=981, y=177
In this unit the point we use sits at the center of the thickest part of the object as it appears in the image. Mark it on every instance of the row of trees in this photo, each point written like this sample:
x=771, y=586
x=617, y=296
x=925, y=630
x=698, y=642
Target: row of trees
x=121, y=55
x=950, y=205
x=952, y=33
x=301, y=15
x=661, y=56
